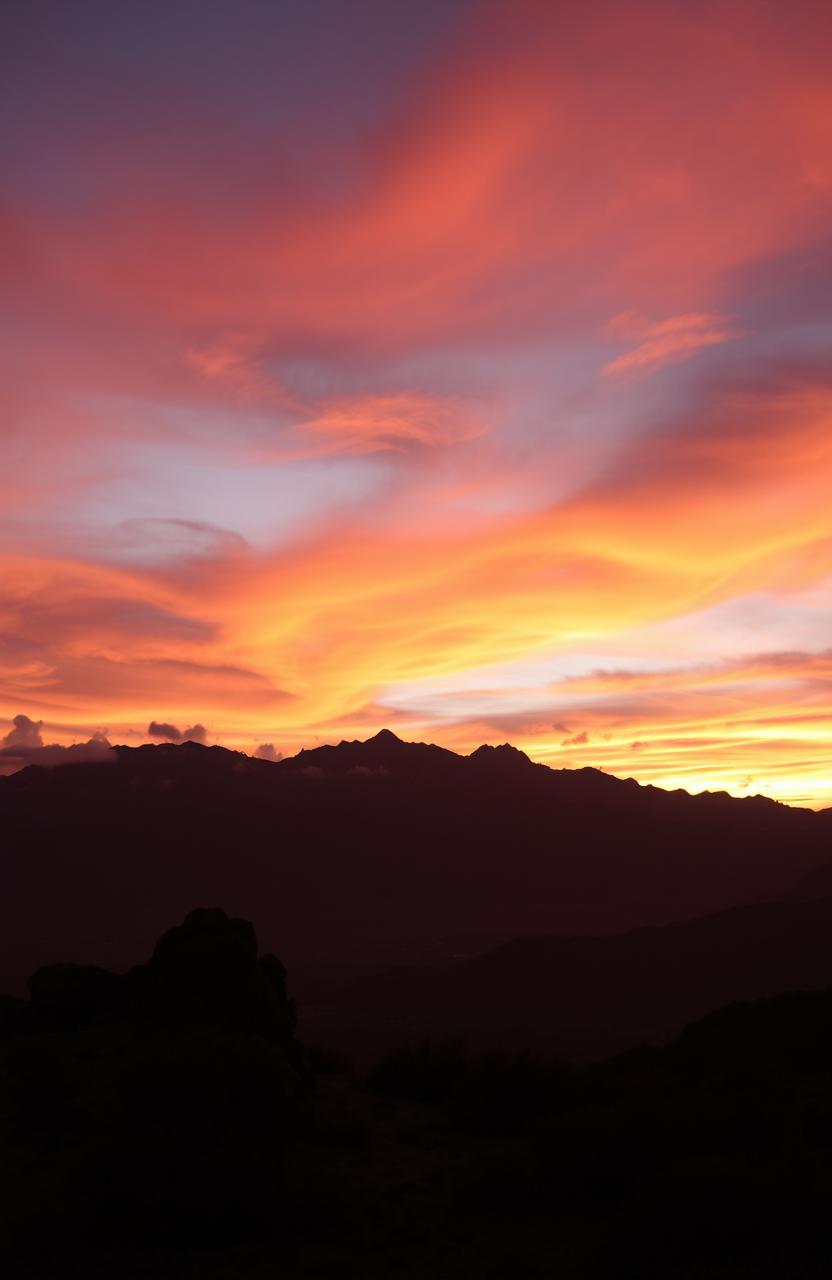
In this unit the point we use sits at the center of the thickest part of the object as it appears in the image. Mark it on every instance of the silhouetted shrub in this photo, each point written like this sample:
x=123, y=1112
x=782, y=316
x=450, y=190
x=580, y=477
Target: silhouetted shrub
x=44, y=1085
x=506, y=1096
x=506, y=1182
x=816, y=1126
x=712, y=1215
x=320, y=1061
x=349, y=1132
x=432, y=1072
x=199, y=1083
x=491, y=1095
x=72, y=995
x=594, y=1158
x=172, y=1137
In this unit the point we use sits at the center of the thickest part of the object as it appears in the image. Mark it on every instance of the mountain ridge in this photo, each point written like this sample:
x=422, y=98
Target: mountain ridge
x=370, y=848
x=386, y=750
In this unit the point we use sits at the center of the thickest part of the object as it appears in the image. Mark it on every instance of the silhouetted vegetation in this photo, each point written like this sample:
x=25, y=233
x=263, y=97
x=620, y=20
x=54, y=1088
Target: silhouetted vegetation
x=710, y=1157
x=433, y=1071
x=321, y=1061
x=490, y=1094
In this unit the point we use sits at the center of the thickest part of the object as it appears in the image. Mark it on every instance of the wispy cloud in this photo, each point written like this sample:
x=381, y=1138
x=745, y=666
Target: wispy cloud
x=666, y=342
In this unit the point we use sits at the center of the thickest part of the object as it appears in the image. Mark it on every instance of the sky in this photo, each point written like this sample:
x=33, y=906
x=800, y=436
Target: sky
x=461, y=368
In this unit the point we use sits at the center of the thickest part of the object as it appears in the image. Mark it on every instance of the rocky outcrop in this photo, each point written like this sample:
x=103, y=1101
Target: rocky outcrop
x=204, y=972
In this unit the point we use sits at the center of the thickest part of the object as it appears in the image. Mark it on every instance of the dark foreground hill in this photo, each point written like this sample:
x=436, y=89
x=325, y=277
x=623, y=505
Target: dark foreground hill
x=166, y=1123
x=369, y=851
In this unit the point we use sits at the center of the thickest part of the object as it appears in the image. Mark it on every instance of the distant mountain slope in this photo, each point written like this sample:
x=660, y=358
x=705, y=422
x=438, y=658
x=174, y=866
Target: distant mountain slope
x=817, y=883
x=359, y=846
x=587, y=996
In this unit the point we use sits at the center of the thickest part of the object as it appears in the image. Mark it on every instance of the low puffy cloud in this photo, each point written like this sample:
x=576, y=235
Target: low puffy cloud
x=25, y=736
x=167, y=732
x=268, y=751
x=24, y=745
x=170, y=733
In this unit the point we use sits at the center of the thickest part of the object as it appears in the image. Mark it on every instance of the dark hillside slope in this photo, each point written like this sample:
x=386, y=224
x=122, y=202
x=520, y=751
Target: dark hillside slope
x=586, y=996
x=817, y=883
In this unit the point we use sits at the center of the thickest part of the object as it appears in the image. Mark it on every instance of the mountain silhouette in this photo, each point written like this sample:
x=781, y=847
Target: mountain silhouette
x=367, y=852
x=382, y=753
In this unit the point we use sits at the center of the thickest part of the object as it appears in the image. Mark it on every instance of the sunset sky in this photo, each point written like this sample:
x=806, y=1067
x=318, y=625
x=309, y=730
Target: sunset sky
x=461, y=368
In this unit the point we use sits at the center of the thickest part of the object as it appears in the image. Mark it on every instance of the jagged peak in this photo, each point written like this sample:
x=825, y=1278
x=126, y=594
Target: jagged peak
x=385, y=736
x=504, y=752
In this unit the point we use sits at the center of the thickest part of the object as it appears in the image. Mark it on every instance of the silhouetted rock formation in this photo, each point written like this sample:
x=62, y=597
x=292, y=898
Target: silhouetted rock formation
x=156, y=1105
x=204, y=972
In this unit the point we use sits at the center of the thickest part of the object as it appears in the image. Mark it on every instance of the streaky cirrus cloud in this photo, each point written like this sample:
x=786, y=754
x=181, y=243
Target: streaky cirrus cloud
x=673, y=340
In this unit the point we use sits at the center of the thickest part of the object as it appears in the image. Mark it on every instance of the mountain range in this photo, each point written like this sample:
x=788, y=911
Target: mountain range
x=365, y=854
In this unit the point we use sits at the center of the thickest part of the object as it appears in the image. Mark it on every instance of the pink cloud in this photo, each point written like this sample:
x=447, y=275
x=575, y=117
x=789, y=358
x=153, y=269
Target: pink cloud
x=670, y=341
x=371, y=423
